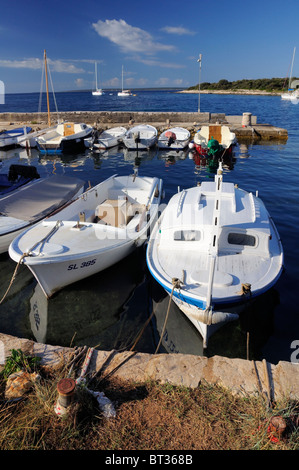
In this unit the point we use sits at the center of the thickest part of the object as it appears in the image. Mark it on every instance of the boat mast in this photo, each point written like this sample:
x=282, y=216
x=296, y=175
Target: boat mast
x=95, y=65
x=47, y=88
x=122, y=78
x=291, y=74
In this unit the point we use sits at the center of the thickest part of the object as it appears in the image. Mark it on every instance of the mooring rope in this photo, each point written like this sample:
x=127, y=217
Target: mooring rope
x=24, y=255
x=176, y=283
x=13, y=276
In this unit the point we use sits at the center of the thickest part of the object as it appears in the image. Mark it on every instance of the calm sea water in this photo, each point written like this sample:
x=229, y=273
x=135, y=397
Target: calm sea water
x=108, y=310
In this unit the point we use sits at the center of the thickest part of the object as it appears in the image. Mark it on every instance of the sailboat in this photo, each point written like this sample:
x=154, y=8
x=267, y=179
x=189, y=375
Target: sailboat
x=123, y=92
x=291, y=94
x=98, y=91
x=63, y=137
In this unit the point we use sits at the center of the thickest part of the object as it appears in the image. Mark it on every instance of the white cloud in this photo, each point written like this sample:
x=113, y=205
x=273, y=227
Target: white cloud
x=160, y=63
x=35, y=64
x=179, y=30
x=129, y=38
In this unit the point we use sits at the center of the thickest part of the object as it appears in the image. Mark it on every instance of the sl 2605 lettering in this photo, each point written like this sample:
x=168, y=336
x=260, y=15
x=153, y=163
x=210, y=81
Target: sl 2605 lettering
x=84, y=264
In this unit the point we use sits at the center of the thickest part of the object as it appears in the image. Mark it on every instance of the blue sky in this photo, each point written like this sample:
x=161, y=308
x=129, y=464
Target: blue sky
x=157, y=42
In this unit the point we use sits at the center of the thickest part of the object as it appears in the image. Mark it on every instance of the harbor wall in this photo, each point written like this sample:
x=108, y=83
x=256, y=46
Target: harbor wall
x=125, y=117
x=240, y=376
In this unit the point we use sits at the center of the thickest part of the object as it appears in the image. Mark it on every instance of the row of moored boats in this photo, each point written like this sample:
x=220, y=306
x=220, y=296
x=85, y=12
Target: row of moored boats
x=213, y=140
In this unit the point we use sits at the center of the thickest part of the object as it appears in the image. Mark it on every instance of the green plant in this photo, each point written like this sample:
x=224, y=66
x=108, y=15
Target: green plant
x=19, y=361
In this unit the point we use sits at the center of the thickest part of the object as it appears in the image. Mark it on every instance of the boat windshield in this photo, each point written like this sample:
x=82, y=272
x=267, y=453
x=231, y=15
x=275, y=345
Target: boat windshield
x=187, y=235
x=241, y=239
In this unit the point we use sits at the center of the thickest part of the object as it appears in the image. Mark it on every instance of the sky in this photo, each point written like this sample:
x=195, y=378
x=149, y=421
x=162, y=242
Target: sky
x=157, y=42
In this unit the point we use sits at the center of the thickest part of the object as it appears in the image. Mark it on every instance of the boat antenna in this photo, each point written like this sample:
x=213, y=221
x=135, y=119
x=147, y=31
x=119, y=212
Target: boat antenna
x=199, y=60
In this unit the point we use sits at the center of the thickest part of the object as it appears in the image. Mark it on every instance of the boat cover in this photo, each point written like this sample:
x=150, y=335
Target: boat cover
x=38, y=200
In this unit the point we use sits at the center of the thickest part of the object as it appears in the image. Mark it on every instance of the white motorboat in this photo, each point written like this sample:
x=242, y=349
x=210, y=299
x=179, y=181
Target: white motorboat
x=31, y=203
x=106, y=139
x=213, y=249
x=174, y=138
x=66, y=137
x=142, y=136
x=215, y=140
x=97, y=91
x=99, y=229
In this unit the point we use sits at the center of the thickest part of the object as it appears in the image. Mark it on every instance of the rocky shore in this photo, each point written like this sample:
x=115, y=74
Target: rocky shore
x=232, y=92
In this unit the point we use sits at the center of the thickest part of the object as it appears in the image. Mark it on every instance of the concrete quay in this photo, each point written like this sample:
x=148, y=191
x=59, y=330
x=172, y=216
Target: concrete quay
x=252, y=132
x=241, y=377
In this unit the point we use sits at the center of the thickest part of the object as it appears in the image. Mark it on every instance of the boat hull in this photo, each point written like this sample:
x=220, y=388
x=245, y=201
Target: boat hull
x=52, y=277
x=66, y=146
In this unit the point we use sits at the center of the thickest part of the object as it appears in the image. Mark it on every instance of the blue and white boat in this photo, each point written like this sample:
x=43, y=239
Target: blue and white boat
x=213, y=249
x=33, y=202
x=10, y=137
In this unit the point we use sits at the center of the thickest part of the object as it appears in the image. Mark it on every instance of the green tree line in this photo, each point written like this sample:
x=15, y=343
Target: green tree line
x=264, y=84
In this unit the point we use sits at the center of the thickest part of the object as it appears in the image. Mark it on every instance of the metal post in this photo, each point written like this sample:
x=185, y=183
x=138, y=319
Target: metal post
x=199, y=60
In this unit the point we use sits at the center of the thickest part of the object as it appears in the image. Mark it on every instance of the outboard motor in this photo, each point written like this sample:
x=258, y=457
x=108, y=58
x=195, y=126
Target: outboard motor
x=16, y=171
x=136, y=137
x=171, y=137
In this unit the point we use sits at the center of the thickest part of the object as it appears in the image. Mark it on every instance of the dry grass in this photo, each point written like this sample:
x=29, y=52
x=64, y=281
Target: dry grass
x=149, y=416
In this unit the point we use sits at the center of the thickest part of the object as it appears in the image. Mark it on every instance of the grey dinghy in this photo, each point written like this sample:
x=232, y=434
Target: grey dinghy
x=212, y=245
x=99, y=229
x=30, y=204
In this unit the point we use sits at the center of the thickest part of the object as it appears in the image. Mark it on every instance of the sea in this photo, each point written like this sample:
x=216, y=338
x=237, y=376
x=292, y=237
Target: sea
x=111, y=309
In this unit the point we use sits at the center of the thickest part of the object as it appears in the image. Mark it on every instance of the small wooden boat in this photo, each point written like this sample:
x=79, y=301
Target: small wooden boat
x=142, y=136
x=106, y=139
x=64, y=138
x=96, y=231
x=17, y=176
x=33, y=202
x=9, y=138
x=213, y=249
x=174, y=138
x=214, y=140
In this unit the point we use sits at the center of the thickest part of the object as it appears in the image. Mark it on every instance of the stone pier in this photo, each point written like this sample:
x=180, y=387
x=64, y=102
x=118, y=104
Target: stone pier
x=161, y=120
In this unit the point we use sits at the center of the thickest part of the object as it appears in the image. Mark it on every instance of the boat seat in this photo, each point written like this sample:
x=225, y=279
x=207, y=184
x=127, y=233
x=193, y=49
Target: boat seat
x=114, y=212
x=117, y=212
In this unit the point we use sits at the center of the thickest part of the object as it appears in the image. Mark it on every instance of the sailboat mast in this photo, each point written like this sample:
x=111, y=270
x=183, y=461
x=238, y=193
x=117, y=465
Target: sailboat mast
x=122, y=78
x=291, y=74
x=96, y=75
x=47, y=88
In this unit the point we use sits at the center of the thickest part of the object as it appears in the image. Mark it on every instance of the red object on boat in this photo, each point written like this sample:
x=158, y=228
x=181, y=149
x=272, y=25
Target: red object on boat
x=170, y=134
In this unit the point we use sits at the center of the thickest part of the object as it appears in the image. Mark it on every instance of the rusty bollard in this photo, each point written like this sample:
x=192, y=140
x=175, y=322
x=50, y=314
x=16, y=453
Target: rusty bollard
x=278, y=425
x=66, y=392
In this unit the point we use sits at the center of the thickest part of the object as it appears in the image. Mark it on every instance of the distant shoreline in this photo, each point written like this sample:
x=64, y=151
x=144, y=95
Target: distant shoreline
x=232, y=92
